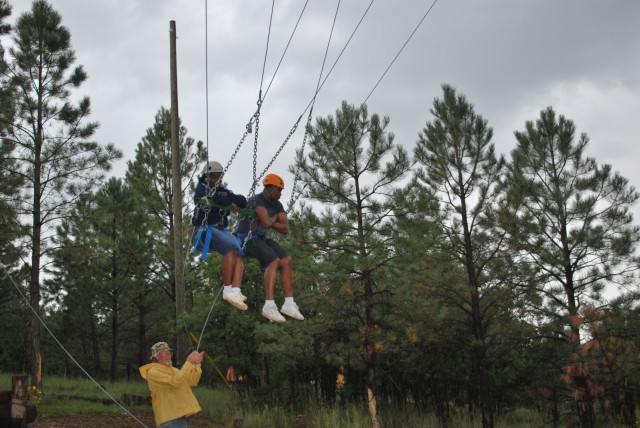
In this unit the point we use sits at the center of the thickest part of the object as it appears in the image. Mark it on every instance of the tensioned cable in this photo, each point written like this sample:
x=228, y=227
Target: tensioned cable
x=255, y=115
x=266, y=51
x=309, y=118
x=285, y=49
x=206, y=75
x=390, y=65
x=401, y=49
x=206, y=321
x=375, y=86
x=65, y=349
x=314, y=96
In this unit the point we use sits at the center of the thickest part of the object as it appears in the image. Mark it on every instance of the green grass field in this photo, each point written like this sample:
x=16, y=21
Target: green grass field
x=72, y=396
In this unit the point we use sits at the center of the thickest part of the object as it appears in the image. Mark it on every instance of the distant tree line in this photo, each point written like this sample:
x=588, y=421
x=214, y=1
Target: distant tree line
x=446, y=278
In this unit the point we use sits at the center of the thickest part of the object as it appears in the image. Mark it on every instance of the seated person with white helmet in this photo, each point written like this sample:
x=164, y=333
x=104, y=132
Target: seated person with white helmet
x=214, y=221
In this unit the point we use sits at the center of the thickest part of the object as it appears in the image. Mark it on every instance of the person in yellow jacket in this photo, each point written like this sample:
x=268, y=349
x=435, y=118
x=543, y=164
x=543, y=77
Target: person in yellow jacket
x=171, y=396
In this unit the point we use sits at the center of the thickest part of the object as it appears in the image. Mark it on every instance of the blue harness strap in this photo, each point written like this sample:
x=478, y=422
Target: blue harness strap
x=207, y=240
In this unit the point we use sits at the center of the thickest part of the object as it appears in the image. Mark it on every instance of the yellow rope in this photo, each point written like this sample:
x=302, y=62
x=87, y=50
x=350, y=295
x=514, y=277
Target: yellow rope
x=210, y=359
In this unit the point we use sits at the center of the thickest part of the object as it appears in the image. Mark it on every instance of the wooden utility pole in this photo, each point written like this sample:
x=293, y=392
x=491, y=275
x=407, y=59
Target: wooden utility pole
x=177, y=200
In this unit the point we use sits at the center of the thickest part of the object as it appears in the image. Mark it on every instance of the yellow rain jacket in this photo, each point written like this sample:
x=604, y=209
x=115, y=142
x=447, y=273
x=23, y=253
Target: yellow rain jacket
x=171, y=395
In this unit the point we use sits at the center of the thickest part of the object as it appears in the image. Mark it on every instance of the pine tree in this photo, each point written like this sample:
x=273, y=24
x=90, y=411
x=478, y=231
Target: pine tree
x=150, y=176
x=572, y=222
x=353, y=169
x=52, y=151
x=109, y=282
x=9, y=182
x=460, y=166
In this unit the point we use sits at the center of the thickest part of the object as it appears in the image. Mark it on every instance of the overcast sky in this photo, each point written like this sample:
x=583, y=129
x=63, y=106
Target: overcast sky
x=510, y=58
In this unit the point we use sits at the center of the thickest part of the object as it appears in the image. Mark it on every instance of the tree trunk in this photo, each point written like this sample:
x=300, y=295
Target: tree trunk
x=479, y=351
x=95, y=345
x=370, y=356
x=34, y=286
x=114, y=335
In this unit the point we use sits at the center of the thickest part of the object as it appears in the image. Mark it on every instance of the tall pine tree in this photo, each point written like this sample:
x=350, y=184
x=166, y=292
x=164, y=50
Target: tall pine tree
x=572, y=222
x=150, y=176
x=53, y=153
x=460, y=166
x=353, y=169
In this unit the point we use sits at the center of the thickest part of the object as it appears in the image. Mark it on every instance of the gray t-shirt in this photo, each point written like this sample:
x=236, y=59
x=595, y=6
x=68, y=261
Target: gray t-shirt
x=273, y=208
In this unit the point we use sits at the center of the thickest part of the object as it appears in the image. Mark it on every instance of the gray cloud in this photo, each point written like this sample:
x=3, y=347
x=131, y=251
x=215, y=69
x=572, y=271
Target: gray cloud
x=511, y=58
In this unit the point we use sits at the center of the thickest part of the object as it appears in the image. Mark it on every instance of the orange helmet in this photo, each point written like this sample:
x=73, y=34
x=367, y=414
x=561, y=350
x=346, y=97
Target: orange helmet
x=273, y=179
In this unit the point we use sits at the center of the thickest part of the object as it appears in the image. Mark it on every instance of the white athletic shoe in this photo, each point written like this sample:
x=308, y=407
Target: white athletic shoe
x=236, y=299
x=291, y=309
x=271, y=313
x=242, y=296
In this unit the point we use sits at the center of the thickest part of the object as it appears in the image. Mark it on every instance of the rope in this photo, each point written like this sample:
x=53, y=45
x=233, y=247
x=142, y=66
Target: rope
x=206, y=321
x=312, y=101
x=340, y=54
x=377, y=83
x=389, y=66
x=266, y=51
x=256, y=116
x=286, y=47
x=65, y=349
x=206, y=75
x=295, y=125
x=310, y=117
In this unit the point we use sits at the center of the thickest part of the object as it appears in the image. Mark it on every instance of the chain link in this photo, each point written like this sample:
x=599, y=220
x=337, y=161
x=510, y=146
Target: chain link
x=255, y=141
x=297, y=175
x=273, y=159
x=214, y=189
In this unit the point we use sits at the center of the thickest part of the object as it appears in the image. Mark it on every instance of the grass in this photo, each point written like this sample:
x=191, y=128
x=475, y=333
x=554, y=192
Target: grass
x=73, y=396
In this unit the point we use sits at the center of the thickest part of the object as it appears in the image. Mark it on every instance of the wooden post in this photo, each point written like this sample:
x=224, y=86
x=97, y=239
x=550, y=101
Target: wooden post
x=19, y=399
x=177, y=200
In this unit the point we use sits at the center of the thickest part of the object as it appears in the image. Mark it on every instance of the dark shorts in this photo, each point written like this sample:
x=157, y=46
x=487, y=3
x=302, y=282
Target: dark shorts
x=265, y=250
x=175, y=423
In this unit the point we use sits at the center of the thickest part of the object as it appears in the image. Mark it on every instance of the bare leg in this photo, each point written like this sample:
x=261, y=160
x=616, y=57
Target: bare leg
x=228, y=263
x=270, y=279
x=286, y=276
x=238, y=270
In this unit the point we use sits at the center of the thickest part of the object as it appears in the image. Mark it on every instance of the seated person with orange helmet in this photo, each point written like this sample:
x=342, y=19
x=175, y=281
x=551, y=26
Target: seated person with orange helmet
x=270, y=214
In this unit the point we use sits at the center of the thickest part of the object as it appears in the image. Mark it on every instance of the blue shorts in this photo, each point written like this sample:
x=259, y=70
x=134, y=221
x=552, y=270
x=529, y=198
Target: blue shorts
x=221, y=241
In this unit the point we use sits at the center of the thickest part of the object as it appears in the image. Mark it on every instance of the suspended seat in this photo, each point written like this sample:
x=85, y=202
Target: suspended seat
x=207, y=229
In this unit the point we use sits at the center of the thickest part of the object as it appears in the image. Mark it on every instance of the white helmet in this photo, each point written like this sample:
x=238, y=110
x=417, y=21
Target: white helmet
x=212, y=166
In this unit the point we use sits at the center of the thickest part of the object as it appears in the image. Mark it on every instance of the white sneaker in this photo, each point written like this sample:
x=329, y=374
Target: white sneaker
x=242, y=296
x=235, y=298
x=291, y=309
x=271, y=313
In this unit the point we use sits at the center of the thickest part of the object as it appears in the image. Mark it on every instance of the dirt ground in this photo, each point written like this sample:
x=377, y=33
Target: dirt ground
x=110, y=421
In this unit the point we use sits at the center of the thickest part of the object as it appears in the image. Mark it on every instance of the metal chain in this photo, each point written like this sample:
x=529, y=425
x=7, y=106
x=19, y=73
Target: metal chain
x=273, y=159
x=246, y=132
x=255, y=141
x=214, y=189
x=297, y=175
